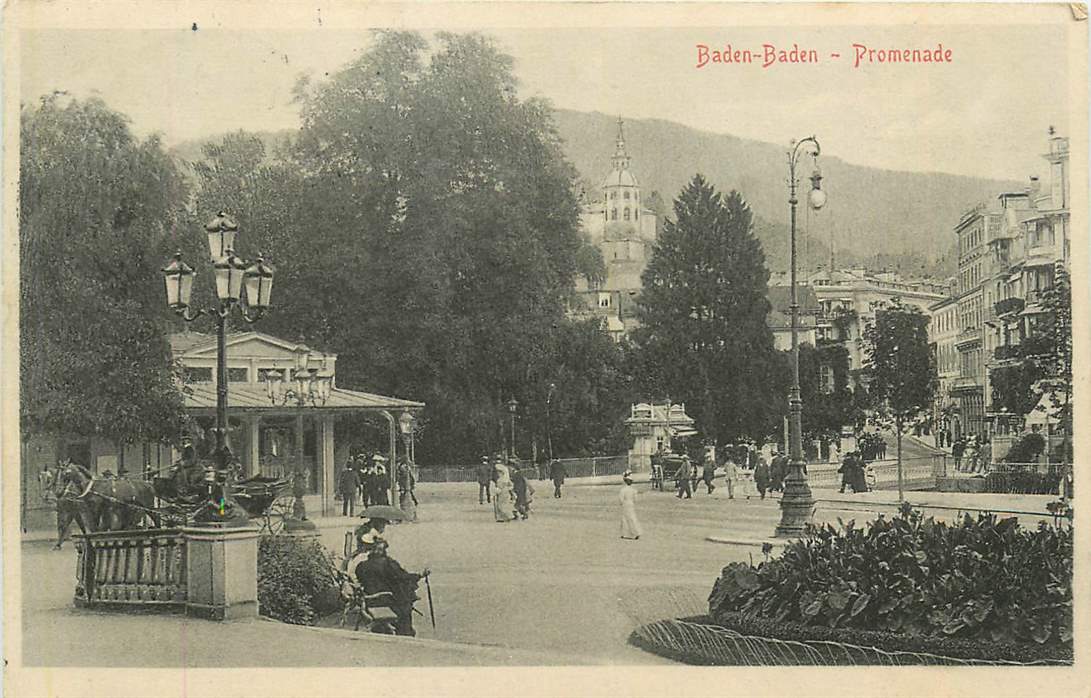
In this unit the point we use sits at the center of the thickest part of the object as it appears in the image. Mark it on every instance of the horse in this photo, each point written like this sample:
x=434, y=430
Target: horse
x=100, y=504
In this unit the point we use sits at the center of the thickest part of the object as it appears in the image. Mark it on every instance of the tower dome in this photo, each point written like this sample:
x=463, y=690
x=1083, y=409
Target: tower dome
x=620, y=190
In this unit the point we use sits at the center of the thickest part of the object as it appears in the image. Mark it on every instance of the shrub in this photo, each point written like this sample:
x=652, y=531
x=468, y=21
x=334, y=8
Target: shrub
x=986, y=579
x=296, y=580
x=1026, y=449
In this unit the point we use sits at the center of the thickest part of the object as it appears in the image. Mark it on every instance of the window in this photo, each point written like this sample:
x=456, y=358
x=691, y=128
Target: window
x=604, y=300
x=825, y=378
x=194, y=374
x=238, y=375
x=626, y=213
x=613, y=214
x=263, y=374
x=636, y=214
x=613, y=195
x=626, y=196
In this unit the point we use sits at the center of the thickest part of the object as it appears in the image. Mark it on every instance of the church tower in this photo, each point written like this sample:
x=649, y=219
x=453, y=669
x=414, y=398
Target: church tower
x=620, y=190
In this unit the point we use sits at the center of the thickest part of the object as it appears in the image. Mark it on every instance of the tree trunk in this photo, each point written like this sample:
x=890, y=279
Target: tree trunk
x=901, y=486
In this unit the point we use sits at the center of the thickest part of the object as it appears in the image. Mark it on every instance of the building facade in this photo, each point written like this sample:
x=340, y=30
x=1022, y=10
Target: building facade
x=1008, y=250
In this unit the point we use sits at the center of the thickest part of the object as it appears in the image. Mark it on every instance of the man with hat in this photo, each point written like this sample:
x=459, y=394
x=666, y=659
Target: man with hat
x=484, y=481
x=347, y=485
x=378, y=573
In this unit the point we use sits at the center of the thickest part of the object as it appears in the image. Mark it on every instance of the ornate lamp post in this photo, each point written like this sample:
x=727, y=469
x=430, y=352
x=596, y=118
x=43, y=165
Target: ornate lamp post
x=513, y=405
x=797, y=504
x=232, y=277
x=306, y=387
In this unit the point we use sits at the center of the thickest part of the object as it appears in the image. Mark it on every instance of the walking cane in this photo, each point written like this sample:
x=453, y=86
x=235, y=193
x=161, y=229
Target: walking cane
x=431, y=609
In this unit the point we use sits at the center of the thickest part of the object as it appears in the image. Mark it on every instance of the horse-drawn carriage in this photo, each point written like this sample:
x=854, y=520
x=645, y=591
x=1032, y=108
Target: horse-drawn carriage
x=113, y=503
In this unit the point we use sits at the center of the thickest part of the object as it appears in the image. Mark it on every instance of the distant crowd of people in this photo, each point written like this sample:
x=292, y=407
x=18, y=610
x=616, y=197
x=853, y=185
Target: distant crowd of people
x=969, y=454
x=366, y=480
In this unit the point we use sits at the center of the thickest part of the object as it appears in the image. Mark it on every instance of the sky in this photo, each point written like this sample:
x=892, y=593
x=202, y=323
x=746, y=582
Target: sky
x=984, y=114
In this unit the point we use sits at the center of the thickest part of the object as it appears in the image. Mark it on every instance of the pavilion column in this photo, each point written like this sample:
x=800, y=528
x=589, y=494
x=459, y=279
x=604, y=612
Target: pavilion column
x=327, y=463
x=254, y=466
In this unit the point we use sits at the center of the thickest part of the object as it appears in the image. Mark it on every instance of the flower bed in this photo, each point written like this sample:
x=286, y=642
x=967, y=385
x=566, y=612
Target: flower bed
x=983, y=588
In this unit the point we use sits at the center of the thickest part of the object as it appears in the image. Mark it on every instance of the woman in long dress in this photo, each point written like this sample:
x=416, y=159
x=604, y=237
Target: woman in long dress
x=630, y=526
x=503, y=501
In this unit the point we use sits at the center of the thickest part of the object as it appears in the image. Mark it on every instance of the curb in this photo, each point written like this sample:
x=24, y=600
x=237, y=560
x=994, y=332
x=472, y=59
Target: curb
x=753, y=542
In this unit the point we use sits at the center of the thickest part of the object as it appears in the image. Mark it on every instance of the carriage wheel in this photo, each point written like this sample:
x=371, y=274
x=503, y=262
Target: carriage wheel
x=277, y=515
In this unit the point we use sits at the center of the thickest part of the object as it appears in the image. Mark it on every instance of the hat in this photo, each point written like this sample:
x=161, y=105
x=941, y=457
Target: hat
x=379, y=457
x=627, y=475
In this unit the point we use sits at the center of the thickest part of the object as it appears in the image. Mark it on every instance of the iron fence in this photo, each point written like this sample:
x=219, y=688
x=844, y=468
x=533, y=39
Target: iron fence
x=574, y=467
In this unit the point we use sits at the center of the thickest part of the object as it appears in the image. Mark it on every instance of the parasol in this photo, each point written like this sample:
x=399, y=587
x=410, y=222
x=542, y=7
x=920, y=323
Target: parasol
x=383, y=511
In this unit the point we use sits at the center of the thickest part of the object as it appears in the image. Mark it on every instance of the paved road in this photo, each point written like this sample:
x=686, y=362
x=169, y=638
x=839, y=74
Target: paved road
x=559, y=588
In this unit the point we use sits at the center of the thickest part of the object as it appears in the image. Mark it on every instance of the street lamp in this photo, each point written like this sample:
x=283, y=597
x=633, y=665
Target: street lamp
x=307, y=387
x=549, y=425
x=407, y=423
x=797, y=503
x=229, y=272
x=513, y=405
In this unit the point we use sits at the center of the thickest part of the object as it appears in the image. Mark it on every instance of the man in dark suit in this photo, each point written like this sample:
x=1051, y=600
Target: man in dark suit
x=557, y=474
x=381, y=574
x=348, y=485
x=484, y=473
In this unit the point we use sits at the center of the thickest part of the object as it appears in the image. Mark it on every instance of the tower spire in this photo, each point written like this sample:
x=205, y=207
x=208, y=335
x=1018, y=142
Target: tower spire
x=621, y=155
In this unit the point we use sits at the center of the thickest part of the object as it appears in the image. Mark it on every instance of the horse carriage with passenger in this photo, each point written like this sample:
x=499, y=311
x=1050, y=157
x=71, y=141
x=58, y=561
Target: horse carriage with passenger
x=110, y=502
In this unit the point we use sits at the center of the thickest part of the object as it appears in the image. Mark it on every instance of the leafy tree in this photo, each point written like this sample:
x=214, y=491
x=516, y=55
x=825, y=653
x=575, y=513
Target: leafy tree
x=703, y=307
x=826, y=409
x=97, y=210
x=424, y=226
x=901, y=372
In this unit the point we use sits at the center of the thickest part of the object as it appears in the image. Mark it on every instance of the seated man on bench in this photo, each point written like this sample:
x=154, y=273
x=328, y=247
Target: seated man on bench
x=385, y=583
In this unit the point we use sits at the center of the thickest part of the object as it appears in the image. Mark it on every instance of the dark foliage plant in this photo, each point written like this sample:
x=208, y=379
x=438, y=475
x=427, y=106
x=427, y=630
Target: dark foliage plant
x=985, y=579
x=296, y=580
x=1026, y=449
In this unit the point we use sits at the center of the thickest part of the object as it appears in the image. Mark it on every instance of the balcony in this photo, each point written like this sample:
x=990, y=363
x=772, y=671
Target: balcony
x=964, y=384
x=1009, y=305
x=1007, y=351
x=968, y=335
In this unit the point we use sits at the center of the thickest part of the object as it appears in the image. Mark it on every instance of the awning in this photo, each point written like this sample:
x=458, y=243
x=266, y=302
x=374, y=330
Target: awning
x=683, y=431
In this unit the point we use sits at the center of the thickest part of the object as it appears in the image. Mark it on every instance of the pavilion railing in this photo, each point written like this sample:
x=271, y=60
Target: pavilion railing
x=144, y=567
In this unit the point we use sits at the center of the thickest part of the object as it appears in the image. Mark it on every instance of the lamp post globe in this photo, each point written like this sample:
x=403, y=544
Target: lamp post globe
x=178, y=278
x=221, y=232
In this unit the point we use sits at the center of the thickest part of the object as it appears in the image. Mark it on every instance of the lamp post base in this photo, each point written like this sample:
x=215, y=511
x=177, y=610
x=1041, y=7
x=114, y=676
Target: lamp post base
x=797, y=504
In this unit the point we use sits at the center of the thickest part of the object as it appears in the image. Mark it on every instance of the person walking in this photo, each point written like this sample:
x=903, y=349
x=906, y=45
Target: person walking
x=957, y=449
x=846, y=470
x=557, y=474
x=407, y=498
x=630, y=526
x=523, y=492
x=682, y=479
x=761, y=476
x=380, y=489
x=503, y=500
x=484, y=481
x=348, y=485
x=731, y=473
x=778, y=470
x=708, y=471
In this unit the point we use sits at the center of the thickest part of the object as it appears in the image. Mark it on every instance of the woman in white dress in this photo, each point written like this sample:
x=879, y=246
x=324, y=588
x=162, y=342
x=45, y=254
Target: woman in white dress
x=630, y=526
x=503, y=501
